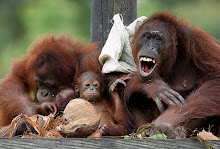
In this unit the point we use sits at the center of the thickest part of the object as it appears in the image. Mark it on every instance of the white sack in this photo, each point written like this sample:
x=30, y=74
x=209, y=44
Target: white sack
x=116, y=55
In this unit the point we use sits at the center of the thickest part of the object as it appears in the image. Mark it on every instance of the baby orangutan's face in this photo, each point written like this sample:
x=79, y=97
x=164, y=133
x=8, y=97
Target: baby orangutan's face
x=89, y=86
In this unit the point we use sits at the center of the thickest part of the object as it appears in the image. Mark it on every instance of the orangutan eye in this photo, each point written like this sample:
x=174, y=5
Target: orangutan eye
x=147, y=36
x=157, y=38
x=87, y=85
x=95, y=85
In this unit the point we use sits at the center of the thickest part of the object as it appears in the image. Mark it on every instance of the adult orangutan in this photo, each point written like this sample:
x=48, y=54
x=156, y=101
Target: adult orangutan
x=49, y=66
x=175, y=60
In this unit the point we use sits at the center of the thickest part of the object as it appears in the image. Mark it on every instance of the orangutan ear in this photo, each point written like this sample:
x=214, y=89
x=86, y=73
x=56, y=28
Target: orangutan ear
x=76, y=88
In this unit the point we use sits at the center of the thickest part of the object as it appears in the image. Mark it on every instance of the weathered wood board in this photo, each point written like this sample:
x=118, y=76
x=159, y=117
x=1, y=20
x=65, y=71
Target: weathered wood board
x=102, y=143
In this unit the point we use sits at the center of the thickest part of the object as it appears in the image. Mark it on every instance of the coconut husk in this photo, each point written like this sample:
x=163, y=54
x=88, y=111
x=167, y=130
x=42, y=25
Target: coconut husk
x=23, y=124
x=31, y=135
x=207, y=135
x=53, y=134
x=37, y=126
x=80, y=119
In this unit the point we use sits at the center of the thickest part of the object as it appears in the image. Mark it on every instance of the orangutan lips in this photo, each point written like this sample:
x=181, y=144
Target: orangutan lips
x=147, y=64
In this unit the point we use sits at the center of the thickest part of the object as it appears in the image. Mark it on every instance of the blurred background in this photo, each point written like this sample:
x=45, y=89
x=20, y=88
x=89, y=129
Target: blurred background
x=21, y=21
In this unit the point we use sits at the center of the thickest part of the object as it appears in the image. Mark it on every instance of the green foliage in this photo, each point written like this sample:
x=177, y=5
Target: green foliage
x=158, y=137
x=37, y=18
x=55, y=16
x=144, y=130
x=202, y=13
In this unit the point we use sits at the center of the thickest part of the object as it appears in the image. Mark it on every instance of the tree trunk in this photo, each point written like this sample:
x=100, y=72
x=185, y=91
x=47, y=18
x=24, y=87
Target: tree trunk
x=102, y=12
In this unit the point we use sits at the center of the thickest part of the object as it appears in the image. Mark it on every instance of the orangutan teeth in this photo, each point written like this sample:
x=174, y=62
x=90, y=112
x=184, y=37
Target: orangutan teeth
x=147, y=59
x=142, y=58
x=154, y=61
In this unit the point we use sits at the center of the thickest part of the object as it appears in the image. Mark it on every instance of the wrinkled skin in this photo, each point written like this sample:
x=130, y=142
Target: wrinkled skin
x=52, y=97
x=152, y=45
x=161, y=93
x=89, y=86
x=47, y=87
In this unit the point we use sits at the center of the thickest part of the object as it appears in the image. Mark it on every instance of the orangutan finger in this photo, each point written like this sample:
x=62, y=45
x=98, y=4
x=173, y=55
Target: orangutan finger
x=159, y=105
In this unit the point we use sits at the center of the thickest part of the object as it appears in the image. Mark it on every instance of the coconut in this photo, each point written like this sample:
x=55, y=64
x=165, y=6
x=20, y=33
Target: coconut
x=80, y=119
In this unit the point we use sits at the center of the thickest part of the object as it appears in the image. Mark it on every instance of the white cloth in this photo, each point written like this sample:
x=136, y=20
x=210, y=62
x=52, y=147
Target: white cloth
x=116, y=55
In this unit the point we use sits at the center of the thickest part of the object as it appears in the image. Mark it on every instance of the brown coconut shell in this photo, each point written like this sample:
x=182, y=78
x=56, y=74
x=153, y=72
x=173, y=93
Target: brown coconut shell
x=207, y=135
x=80, y=119
x=37, y=126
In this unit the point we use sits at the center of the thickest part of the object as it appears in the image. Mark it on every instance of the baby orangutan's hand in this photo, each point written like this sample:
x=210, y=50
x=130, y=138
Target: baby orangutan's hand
x=103, y=129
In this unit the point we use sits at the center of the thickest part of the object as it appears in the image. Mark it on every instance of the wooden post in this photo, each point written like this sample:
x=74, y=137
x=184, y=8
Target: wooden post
x=102, y=11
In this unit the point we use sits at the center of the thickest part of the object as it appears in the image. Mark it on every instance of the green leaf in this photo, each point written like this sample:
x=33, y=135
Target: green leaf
x=127, y=137
x=158, y=136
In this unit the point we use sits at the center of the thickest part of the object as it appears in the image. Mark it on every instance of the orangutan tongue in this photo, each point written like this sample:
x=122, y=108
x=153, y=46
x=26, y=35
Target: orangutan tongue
x=146, y=69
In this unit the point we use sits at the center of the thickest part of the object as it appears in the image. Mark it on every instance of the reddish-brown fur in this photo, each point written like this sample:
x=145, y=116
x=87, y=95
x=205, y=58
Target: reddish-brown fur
x=109, y=104
x=193, y=63
x=111, y=114
x=65, y=59
x=113, y=102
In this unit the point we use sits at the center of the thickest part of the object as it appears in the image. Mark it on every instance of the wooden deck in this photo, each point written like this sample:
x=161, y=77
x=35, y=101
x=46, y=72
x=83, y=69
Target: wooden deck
x=78, y=143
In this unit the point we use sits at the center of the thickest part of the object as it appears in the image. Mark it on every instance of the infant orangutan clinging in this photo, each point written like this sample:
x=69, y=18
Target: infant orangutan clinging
x=89, y=85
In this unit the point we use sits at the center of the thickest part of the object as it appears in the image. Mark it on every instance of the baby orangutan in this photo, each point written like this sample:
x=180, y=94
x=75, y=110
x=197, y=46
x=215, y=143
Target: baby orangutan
x=89, y=86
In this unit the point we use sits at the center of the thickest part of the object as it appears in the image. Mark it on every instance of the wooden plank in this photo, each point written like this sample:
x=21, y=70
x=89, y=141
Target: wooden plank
x=102, y=11
x=101, y=143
